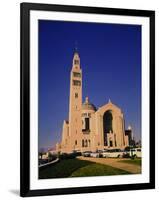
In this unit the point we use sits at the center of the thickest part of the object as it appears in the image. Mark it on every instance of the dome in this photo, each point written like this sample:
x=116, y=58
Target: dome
x=87, y=105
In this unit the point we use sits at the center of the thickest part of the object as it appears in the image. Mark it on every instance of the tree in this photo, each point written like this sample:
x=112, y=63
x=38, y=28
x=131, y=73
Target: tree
x=41, y=152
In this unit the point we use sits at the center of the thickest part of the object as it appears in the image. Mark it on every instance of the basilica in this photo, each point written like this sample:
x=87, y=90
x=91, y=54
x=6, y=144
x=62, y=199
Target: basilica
x=89, y=128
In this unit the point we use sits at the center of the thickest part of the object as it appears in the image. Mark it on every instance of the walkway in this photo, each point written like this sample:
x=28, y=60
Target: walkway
x=114, y=162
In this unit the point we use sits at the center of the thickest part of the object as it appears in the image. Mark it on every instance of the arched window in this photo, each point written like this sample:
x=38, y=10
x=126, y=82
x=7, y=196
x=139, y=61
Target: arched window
x=75, y=142
x=87, y=123
x=107, y=124
x=82, y=143
x=107, y=121
x=89, y=143
x=76, y=62
x=86, y=143
x=76, y=95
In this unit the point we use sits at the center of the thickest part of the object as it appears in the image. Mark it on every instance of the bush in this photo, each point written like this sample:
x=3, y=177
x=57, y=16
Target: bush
x=133, y=156
x=100, y=155
x=78, y=153
x=63, y=156
x=127, y=148
x=52, y=157
x=72, y=155
x=126, y=155
x=67, y=156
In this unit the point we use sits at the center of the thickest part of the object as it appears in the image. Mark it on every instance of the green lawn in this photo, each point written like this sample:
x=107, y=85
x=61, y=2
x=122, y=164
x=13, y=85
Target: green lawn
x=78, y=168
x=136, y=161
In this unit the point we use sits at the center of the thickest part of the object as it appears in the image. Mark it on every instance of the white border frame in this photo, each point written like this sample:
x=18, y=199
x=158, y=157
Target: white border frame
x=36, y=183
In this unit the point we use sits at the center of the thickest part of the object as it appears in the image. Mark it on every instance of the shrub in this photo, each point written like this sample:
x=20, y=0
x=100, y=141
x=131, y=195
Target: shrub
x=127, y=148
x=126, y=155
x=133, y=156
x=67, y=156
x=78, y=153
x=100, y=155
x=52, y=157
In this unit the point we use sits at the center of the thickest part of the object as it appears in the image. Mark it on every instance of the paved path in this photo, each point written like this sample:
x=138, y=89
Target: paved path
x=114, y=162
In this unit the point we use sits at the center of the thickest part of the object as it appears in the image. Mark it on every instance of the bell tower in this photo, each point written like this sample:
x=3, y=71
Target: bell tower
x=75, y=102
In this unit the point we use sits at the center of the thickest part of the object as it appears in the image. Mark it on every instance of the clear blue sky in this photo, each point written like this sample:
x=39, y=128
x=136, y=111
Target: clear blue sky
x=111, y=65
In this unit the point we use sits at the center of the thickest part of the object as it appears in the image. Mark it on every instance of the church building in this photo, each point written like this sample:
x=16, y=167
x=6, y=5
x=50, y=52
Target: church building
x=89, y=128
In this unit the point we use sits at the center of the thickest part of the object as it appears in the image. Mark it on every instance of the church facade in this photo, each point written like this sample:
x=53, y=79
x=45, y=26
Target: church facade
x=89, y=128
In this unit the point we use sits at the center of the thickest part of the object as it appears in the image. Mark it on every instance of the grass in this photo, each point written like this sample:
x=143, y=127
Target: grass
x=136, y=161
x=78, y=168
x=98, y=170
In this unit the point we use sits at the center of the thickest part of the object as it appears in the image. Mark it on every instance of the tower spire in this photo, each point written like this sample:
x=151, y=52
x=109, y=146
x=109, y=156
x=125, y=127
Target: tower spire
x=76, y=46
x=87, y=100
x=76, y=59
x=109, y=101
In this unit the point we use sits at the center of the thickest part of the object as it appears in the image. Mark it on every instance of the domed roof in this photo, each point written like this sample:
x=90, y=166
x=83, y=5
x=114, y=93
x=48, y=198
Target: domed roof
x=87, y=105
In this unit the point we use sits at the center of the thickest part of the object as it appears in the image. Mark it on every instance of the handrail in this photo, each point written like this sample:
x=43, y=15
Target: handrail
x=46, y=164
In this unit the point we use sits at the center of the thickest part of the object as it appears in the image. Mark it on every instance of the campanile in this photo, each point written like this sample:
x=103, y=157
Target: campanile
x=75, y=101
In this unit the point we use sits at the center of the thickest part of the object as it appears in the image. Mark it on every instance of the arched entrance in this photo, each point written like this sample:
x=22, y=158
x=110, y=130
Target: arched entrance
x=107, y=125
